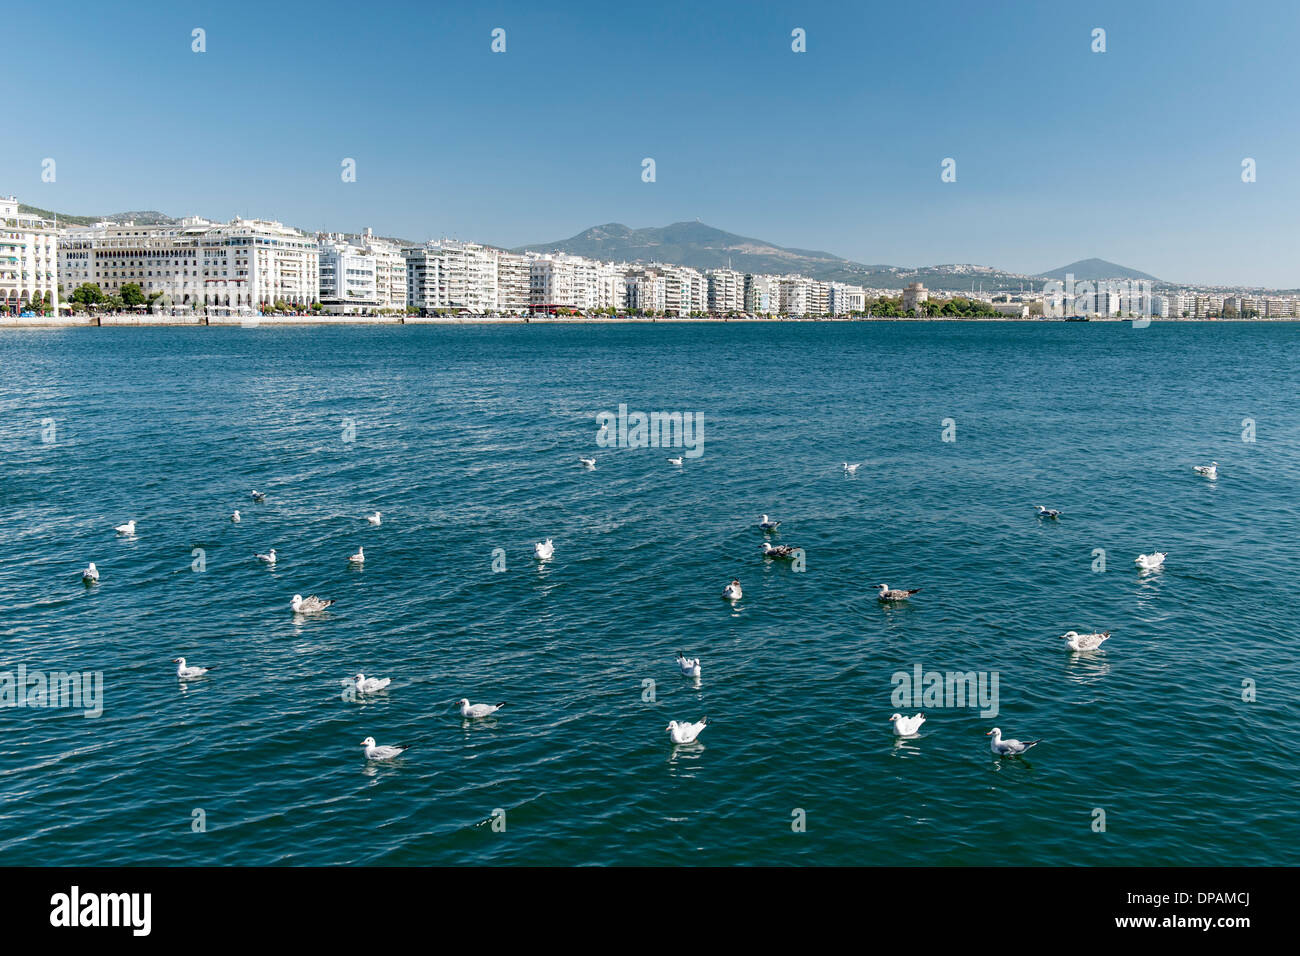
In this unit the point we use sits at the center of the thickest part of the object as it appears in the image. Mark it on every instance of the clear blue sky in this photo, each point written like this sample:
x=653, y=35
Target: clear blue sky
x=1132, y=155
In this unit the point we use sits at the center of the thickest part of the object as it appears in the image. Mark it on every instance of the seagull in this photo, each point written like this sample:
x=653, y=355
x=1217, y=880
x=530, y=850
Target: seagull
x=310, y=605
x=374, y=519
x=1008, y=748
x=675, y=461
x=475, y=711
x=684, y=733
x=1085, y=642
x=768, y=526
x=268, y=558
x=690, y=665
x=376, y=752
x=897, y=594
x=1149, y=562
x=188, y=673
x=1047, y=512
x=235, y=517
x=1210, y=471
x=359, y=557
x=587, y=462
x=544, y=550
x=732, y=592
x=91, y=574
x=907, y=726
x=127, y=529
x=369, y=685
x=786, y=551
x=259, y=497
x=851, y=469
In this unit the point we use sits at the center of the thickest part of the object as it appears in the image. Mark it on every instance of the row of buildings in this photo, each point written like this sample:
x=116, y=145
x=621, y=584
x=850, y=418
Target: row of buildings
x=249, y=264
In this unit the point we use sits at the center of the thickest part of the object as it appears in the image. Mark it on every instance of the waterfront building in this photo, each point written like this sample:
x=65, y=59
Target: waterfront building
x=646, y=290
x=561, y=281
x=29, y=257
x=451, y=275
x=843, y=299
x=762, y=294
x=726, y=291
x=914, y=295
x=348, y=282
x=514, y=282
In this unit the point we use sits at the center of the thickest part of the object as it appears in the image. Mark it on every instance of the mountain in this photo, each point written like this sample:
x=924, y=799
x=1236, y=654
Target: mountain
x=144, y=217
x=701, y=246
x=1092, y=269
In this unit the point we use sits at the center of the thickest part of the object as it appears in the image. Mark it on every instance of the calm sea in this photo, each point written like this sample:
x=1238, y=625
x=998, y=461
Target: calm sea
x=1180, y=735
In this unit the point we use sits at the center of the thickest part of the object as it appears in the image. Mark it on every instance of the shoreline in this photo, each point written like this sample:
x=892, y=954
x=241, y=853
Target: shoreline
x=173, y=321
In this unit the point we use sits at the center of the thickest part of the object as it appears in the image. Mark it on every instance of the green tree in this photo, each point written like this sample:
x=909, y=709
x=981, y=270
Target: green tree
x=132, y=294
x=88, y=293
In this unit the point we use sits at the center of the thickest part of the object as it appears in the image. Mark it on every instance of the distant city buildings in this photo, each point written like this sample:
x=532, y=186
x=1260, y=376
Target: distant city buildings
x=29, y=257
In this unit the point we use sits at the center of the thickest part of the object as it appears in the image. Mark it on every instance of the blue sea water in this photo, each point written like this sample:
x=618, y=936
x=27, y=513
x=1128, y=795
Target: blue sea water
x=467, y=439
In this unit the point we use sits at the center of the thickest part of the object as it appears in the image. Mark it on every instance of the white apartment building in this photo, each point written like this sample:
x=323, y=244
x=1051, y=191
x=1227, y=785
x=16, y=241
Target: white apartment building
x=29, y=257
x=561, y=281
x=514, y=283
x=762, y=294
x=647, y=290
x=726, y=291
x=454, y=275
x=843, y=298
x=242, y=264
x=348, y=283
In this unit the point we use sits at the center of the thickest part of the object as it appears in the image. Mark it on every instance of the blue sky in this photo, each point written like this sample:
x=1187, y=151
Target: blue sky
x=1132, y=155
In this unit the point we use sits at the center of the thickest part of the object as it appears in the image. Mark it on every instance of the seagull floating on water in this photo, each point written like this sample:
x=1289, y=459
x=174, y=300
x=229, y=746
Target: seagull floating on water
x=184, y=672
x=1008, y=748
x=851, y=469
x=1085, y=642
x=787, y=552
x=359, y=557
x=1207, y=471
x=376, y=751
x=259, y=497
x=685, y=733
x=91, y=574
x=369, y=685
x=732, y=592
x=127, y=529
x=1047, y=512
x=896, y=594
x=690, y=665
x=587, y=462
x=544, y=550
x=268, y=558
x=235, y=517
x=475, y=711
x=1149, y=562
x=768, y=526
x=907, y=726
x=310, y=605
x=675, y=461
x=375, y=519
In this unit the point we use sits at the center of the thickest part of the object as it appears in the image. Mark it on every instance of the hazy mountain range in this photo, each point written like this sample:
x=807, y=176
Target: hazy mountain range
x=701, y=246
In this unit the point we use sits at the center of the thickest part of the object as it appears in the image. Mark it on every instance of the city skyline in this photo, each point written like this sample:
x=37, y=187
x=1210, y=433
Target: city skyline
x=1133, y=155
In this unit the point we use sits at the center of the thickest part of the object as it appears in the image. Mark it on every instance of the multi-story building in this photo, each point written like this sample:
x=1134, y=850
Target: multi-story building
x=454, y=275
x=514, y=283
x=29, y=258
x=348, y=281
x=390, y=270
x=647, y=290
x=843, y=298
x=762, y=294
x=726, y=291
x=239, y=265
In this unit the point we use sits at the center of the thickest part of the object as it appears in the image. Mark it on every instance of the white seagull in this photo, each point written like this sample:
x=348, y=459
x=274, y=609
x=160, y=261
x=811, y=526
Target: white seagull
x=675, y=461
x=785, y=551
x=369, y=685
x=1047, y=512
x=127, y=529
x=235, y=517
x=768, y=526
x=1210, y=471
x=884, y=593
x=185, y=672
x=685, y=733
x=375, y=519
x=359, y=557
x=851, y=469
x=1085, y=642
x=732, y=592
x=475, y=711
x=907, y=726
x=259, y=497
x=690, y=665
x=375, y=751
x=544, y=550
x=268, y=558
x=311, y=605
x=587, y=462
x=1008, y=748
x=91, y=574
x=1149, y=562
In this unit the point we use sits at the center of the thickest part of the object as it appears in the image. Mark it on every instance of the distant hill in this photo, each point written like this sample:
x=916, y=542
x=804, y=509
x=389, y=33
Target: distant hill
x=144, y=217
x=700, y=246
x=1093, y=269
